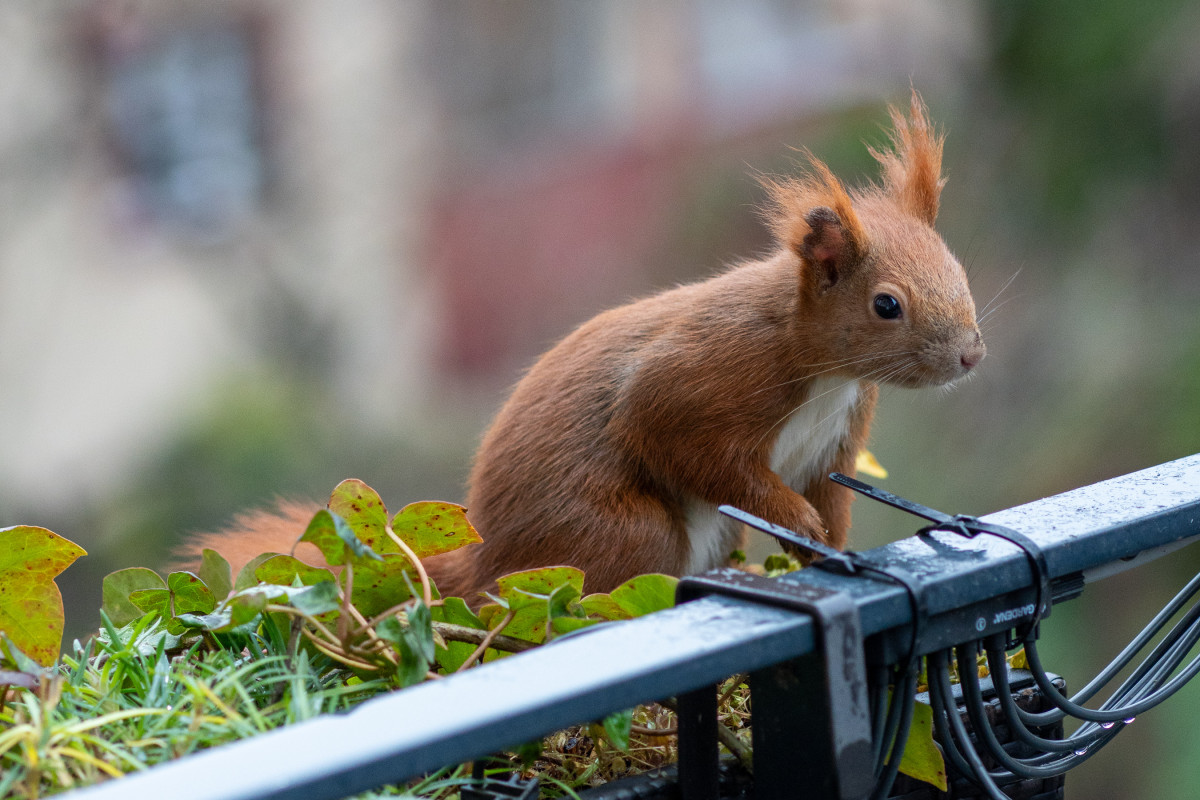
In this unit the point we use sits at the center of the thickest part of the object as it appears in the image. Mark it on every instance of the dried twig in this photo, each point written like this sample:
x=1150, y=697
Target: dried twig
x=487, y=641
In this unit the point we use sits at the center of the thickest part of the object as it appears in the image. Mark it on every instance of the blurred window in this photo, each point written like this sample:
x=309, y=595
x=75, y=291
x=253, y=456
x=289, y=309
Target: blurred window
x=181, y=105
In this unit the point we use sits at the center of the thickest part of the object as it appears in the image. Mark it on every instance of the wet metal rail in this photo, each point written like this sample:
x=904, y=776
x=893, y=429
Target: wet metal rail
x=971, y=587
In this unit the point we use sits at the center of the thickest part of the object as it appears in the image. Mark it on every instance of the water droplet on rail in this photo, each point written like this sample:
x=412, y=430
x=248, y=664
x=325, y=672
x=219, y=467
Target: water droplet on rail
x=1129, y=720
x=1107, y=725
x=1081, y=751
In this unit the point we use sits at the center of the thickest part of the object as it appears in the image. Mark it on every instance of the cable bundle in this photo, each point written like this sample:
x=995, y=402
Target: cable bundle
x=1157, y=677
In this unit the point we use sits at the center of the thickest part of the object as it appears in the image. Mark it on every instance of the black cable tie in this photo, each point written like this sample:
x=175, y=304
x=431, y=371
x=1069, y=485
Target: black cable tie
x=968, y=526
x=845, y=563
x=836, y=559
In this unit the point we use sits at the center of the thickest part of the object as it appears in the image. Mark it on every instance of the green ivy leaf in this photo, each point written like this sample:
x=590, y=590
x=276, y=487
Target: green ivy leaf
x=192, y=595
x=245, y=606
x=922, y=759
x=282, y=570
x=379, y=585
x=185, y=593
x=208, y=622
x=456, y=611
x=216, y=573
x=414, y=643
x=645, y=594
x=603, y=606
x=31, y=608
x=565, y=625
x=153, y=601
x=318, y=599
x=245, y=577
x=363, y=510
x=519, y=587
x=536, y=597
x=336, y=540
x=117, y=588
x=432, y=528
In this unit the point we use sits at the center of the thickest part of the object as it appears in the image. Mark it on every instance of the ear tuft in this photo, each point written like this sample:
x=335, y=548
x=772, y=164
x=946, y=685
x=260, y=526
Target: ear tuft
x=819, y=196
x=912, y=167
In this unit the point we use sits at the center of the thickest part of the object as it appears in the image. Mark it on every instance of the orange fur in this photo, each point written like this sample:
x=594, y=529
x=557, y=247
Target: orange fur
x=613, y=451
x=259, y=531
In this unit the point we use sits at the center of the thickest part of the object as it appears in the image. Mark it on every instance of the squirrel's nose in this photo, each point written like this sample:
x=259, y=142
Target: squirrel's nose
x=972, y=353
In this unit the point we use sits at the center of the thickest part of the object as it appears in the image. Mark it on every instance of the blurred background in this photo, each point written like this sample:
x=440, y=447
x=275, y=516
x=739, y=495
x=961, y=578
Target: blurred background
x=249, y=248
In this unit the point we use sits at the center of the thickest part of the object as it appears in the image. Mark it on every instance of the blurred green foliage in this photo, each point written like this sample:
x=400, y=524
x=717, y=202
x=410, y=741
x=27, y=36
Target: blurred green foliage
x=1081, y=76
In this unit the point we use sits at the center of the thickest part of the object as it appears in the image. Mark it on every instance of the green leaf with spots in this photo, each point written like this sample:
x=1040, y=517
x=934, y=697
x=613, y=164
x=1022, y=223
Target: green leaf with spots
x=432, y=528
x=362, y=509
x=379, y=585
x=517, y=587
x=604, y=607
x=245, y=577
x=117, y=588
x=535, y=597
x=336, y=540
x=640, y=595
x=31, y=607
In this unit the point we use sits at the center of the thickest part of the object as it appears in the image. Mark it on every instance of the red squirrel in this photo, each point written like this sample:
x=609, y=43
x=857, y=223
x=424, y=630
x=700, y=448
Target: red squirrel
x=615, y=449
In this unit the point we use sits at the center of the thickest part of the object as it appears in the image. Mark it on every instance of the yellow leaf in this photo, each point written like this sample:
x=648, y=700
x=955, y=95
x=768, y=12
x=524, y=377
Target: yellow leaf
x=31, y=607
x=922, y=759
x=868, y=465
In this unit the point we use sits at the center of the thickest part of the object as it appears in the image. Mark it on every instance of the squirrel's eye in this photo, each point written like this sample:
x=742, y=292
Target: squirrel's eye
x=887, y=306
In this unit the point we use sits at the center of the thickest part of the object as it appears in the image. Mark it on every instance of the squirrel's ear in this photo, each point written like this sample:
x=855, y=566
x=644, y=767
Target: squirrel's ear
x=828, y=248
x=814, y=217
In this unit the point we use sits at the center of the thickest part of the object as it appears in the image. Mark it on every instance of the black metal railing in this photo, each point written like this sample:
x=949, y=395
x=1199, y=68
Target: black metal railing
x=970, y=589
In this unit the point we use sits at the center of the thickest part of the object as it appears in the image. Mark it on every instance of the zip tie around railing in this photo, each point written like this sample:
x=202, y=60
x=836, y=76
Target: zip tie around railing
x=1147, y=686
x=892, y=719
x=1151, y=682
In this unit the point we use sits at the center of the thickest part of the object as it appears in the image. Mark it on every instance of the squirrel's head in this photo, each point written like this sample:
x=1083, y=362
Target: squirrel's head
x=891, y=301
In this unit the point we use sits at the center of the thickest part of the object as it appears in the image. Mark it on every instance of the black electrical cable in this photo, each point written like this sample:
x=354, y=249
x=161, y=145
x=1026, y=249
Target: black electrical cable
x=949, y=729
x=1036, y=767
x=903, y=695
x=998, y=669
x=1122, y=659
x=1144, y=703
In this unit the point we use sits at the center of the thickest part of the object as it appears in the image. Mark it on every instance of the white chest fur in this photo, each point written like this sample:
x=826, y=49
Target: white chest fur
x=806, y=444
x=810, y=437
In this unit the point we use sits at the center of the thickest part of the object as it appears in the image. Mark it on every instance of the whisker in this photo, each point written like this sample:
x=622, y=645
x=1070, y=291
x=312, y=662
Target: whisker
x=983, y=318
x=840, y=364
x=985, y=310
